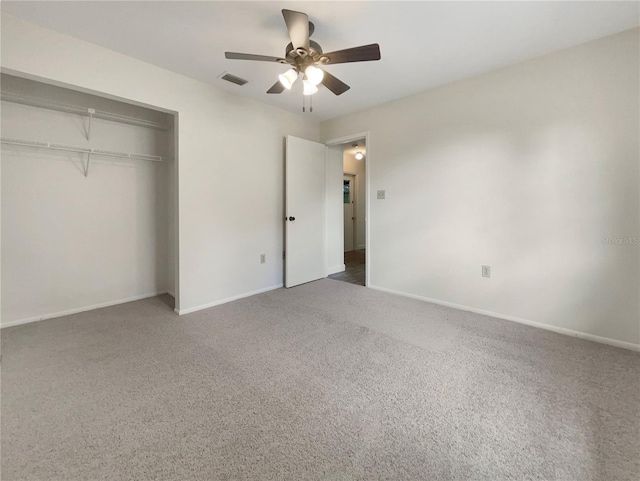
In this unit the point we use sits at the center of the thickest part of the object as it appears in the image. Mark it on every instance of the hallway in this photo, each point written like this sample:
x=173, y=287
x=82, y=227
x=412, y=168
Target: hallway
x=354, y=262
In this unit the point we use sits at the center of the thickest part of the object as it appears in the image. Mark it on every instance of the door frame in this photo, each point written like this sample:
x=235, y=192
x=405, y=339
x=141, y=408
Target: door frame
x=367, y=190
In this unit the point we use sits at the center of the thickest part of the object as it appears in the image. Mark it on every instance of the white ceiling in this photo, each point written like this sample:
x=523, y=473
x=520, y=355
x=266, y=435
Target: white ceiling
x=423, y=44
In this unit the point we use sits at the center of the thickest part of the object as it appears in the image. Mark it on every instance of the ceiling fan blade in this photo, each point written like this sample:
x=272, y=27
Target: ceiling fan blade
x=298, y=26
x=277, y=88
x=248, y=56
x=355, y=54
x=334, y=84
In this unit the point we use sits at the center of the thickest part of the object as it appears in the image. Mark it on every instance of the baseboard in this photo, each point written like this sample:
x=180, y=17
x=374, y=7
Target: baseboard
x=181, y=312
x=172, y=294
x=336, y=269
x=360, y=246
x=79, y=309
x=519, y=320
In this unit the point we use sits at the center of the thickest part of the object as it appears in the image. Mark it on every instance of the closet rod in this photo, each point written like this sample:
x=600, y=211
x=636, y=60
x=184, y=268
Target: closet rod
x=83, y=150
x=74, y=109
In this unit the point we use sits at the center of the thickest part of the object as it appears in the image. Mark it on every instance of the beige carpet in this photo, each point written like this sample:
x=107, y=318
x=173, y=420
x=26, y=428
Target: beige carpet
x=326, y=381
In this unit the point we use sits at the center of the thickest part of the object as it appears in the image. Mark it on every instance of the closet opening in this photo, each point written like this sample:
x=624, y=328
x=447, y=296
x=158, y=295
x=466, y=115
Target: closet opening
x=89, y=200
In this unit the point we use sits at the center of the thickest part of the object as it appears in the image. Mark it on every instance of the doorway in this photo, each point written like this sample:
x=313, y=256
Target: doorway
x=353, y=201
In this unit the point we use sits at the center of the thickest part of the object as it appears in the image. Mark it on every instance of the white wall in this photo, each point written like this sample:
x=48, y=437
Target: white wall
x=230, y=169
x=352, y=165
x=525, y=169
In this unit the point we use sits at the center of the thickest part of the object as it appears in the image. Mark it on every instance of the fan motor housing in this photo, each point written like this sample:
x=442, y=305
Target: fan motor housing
x=315, y=46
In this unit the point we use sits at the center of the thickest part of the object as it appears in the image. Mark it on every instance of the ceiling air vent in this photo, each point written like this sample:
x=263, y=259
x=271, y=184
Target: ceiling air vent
x=233, y=79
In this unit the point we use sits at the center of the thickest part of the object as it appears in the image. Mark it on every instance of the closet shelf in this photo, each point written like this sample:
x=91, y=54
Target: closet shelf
x=74, y=109
x=83, y=150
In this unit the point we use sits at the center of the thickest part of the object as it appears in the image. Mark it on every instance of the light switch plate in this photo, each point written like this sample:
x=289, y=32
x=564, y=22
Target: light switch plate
x=381, y=194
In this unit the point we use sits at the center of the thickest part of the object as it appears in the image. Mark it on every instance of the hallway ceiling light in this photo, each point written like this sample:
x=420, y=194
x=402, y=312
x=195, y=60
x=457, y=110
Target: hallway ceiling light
x=359, y=156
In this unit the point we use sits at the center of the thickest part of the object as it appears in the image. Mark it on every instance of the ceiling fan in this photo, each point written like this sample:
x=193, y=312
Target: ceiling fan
x=306, y=57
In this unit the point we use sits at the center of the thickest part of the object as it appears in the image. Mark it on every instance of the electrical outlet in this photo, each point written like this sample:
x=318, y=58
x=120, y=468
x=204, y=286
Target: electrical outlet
x=381, y=194
x=263, y=258
x=486, y=271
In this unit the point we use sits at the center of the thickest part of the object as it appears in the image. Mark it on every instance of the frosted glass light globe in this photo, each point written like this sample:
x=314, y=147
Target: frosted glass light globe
x=309, y=88
x=314, y=74
x=288, y=78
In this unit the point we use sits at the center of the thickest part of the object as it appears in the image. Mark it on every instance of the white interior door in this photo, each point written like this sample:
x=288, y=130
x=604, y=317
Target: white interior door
x=349, y=211
x=305, y=211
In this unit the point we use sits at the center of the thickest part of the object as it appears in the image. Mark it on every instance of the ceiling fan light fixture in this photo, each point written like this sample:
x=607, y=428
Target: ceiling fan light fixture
x=309, y=88
x=288, y=78
x=314, y=74
x=307, y=57
x=359, y=156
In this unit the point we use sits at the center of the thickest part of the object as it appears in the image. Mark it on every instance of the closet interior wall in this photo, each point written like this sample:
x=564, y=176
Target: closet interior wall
x=78, y=233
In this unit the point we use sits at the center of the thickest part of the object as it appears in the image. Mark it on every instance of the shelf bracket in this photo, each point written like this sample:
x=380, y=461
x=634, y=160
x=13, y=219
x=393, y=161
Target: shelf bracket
x=91, y=112
x=86, y=169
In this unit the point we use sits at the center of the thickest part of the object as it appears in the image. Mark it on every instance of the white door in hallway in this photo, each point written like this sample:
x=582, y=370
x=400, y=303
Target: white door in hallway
x=349, y=186
x=305, y=202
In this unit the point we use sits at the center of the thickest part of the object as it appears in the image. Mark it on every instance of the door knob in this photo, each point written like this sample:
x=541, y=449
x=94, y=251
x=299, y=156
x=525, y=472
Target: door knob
x=292, y=219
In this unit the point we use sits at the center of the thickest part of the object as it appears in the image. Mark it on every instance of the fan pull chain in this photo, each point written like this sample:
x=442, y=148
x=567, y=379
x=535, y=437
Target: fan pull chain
x=304, y=109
